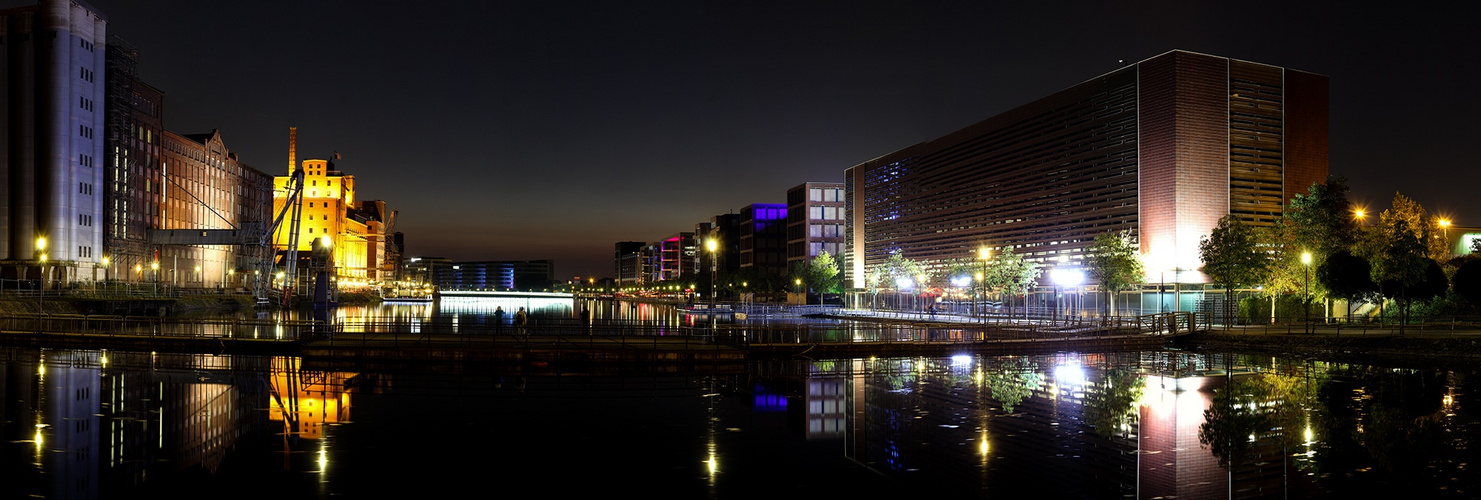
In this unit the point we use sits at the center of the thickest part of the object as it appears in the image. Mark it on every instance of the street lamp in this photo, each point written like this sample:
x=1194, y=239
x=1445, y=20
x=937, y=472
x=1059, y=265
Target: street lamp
x=983, y=254
x=41, y=251
x=1445, y=224
x=1306, y=292
x=713, y=246
x=154, y=275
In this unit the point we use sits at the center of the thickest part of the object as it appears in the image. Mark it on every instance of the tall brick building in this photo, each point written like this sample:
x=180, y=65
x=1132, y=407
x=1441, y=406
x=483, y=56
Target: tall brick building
x=1162, y=148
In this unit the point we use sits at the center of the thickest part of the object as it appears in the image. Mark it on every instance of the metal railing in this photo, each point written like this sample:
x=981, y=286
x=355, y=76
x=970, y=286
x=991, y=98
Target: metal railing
x=148, y=326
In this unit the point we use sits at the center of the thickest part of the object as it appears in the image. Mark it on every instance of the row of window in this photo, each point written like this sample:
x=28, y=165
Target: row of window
x=825, y=194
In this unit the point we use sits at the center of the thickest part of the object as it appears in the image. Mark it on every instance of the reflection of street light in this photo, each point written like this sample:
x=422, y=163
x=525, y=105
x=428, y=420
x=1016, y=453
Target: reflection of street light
x=1306, y=292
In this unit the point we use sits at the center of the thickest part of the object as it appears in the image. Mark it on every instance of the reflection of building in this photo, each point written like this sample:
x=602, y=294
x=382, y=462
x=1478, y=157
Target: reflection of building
x=306, y=401
x=1163, y=147
x=815, y=217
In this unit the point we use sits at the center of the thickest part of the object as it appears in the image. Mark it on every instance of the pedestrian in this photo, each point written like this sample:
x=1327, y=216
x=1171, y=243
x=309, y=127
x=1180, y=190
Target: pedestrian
x=499, y=319
x=520, y=320
x=586, y=319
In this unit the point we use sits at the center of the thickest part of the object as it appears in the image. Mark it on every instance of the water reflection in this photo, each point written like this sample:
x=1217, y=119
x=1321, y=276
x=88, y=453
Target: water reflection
x=89, y=424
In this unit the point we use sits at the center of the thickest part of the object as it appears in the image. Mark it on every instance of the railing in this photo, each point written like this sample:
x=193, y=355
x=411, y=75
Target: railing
x=1338, y=325
x=166, y=327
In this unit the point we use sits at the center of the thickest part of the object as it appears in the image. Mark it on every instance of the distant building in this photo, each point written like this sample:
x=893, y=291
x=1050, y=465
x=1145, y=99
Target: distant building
x=628, y=256
x=495, y=275
x=763, y=238
x=725, y=230
x=425, y=269
x=675, y=258
x=816, y=212
x=1162, y=148
x=52, y=158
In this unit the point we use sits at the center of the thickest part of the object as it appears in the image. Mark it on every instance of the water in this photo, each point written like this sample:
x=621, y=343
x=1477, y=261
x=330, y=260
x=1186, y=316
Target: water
x=1161, y=424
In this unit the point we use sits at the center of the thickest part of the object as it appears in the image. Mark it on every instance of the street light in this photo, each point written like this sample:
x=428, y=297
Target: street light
x=983, y=254
x=1306, y=292
x=713, y=246
x=1445, y=224
x=41, y=251
x=154, y=276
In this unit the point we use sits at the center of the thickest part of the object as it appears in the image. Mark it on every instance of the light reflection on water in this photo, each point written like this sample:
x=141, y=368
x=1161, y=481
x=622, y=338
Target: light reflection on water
x=1143, y=425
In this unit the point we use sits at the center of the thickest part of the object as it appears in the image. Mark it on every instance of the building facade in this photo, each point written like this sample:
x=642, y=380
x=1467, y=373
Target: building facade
x=133, y=193
x=203, y=186
x=1162, y=148
x=816, y=213
x=763, y=238
x=329, y=211
x=52, y=162
x=495, y=275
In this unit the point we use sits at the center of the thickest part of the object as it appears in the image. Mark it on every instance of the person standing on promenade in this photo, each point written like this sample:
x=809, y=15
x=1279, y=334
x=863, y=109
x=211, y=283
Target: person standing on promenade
x=499, y=319
x=520, y=320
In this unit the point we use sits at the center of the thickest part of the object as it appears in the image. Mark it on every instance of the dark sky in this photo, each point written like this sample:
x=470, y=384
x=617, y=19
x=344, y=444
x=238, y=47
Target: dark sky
x=546, y=129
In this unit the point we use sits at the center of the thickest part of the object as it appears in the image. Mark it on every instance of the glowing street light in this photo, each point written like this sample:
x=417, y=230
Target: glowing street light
x=1306, y=292
x=714, y=247
x=41, y=250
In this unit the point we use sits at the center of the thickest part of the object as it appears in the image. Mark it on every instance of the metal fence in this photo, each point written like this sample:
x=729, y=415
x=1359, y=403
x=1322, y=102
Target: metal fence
x=146, y=326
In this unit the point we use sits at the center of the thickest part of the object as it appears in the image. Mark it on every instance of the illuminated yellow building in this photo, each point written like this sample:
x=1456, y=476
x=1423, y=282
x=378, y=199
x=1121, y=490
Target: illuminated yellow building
x=328, y=210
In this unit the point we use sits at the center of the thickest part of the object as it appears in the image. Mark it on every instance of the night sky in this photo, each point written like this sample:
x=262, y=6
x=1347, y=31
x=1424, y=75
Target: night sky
x=551, y=130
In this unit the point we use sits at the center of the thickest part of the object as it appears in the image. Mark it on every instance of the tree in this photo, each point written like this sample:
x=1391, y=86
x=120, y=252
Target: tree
x=1321, y=220
x=1233, y=256
x=1115, y=265
x=1012, y=274
x=819, y=274
x=1401, y=249
x=1346, y=276
x=895, y=269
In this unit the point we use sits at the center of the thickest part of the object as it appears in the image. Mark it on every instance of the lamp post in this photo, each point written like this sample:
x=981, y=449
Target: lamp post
x=106, y=272
x=1306, y=292
x=1445, y=224
x=713, y=246
x=41, y=259
x=983, y=254
x=154, y=276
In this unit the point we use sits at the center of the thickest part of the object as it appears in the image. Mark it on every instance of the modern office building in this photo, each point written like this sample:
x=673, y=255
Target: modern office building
x=52, y=60
x=495, y=275
x=725, y=230
x=675, y=257
x=1162, y=148
x=628, y=256
x=763, y=238
x=816, y=212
